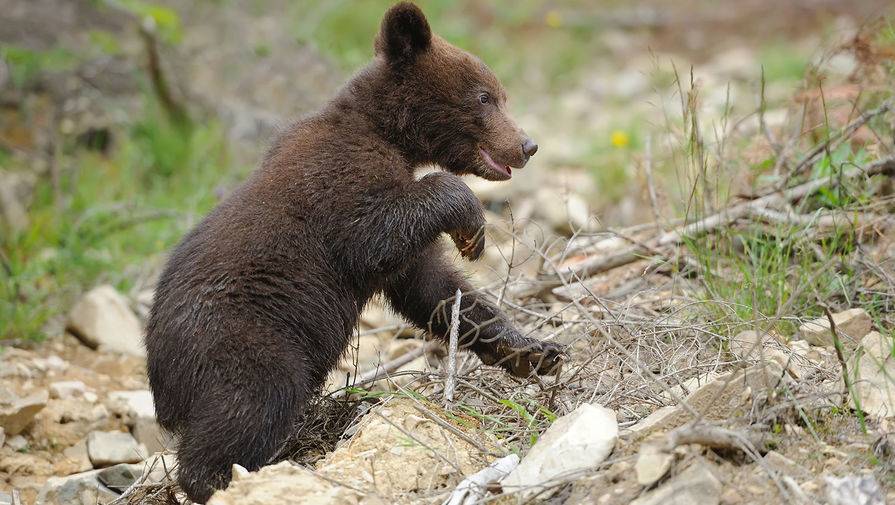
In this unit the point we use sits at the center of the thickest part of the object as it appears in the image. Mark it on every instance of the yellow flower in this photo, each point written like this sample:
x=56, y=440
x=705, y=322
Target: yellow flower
x=619, y=139
x=553, y=19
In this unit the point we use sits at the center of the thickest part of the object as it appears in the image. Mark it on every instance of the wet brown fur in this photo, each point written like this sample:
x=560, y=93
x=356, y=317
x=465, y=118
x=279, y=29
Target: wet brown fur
x=258, y=302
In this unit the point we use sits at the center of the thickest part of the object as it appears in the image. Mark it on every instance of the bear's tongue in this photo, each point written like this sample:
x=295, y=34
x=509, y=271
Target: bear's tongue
x=488, y=159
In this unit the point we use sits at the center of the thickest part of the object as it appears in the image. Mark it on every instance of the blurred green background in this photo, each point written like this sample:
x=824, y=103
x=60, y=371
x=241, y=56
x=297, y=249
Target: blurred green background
x=124, y=121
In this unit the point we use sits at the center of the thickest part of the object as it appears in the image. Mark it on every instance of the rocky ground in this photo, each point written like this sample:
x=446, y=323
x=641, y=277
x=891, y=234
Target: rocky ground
x=741, y=355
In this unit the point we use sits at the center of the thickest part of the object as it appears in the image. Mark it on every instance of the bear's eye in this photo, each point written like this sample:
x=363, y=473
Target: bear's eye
x=484, y=98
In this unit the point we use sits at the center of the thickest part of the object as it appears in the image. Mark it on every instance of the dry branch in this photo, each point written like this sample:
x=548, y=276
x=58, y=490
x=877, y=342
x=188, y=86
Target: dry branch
x=599, y=264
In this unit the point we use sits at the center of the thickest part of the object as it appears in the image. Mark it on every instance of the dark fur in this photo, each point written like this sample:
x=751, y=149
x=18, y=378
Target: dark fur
x=258, y=302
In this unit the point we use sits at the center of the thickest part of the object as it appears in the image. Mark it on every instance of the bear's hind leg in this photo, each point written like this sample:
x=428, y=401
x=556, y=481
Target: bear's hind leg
x=247, y=427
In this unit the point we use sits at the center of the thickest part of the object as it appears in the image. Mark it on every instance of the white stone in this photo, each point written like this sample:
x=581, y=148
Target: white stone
x=16, y=413
x=78, y=455
x=577, y=441
x=106, y=448
x=694, y=486
x=652, y=464
x=67, y=389
x=851, y=326
x=875, y=374
x=102, y=318
x=17, y=442
x=138, y=404
x=854, y=490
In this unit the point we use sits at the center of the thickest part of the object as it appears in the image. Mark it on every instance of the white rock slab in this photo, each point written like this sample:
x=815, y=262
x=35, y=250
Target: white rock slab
x=102, y=318
x=576, y=441
x=875, y=382
x=851, y=326
x=106, y=448
x=138, y=404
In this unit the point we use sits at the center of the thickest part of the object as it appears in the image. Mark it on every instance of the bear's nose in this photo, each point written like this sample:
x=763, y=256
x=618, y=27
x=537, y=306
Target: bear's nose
x=529, y=147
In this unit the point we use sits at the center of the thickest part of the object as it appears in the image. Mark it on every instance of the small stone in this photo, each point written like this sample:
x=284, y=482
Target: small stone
x=17, y=443
x=237, y=472
x=851, y=326
x=854, y=490
x=652, y=464
x=77, y=455
x=106, y=448
x=17, y=413
x=102, y=318
x=137, y=404
x=576, y=441
x=67, y=389
x=695, y=485
x=875, y=382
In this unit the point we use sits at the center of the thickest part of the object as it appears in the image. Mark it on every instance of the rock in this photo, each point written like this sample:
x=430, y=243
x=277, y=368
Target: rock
x=854, y=490
x=107, y=448
x=720, y=398
x=137, y=404
x=576, y=441
x=102, y=318
x=77, y=457
x=695, y=485
x=17, y=413
x=78, y=489
x=391, y=453
x=17, y=443
x=875, y=373
x=660, y=418
x=120, y=477
x=15, y=195
x=652, y=464
x=286, y=483
x=851, y=326
x=68, y=389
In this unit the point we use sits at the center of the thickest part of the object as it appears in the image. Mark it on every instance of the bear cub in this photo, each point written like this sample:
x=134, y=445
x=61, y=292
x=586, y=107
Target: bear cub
x=258, y=302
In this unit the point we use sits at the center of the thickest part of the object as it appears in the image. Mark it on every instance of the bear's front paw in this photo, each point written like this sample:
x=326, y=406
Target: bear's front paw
x=521, y=356
x=470, y=247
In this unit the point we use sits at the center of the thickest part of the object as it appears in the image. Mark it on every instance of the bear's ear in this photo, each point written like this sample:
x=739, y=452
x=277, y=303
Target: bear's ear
x=404, y=34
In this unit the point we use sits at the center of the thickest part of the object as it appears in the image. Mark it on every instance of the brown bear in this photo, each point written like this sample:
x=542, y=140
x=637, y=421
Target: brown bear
x=257, y=303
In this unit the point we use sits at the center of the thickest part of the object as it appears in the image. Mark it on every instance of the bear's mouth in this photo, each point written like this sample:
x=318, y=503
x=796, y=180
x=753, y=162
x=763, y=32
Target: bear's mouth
x=493, y=170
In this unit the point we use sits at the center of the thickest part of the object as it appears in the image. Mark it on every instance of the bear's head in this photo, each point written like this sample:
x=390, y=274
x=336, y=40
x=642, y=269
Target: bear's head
x=442, y=104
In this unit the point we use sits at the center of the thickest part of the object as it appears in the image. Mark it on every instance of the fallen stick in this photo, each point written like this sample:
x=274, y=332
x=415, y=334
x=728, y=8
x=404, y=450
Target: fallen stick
x=715, y=438
x=474, y=488
x=451, y=381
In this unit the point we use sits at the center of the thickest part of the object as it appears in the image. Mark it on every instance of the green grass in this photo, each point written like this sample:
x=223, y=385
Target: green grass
x=116, y=212
x=536, y=36
x=772, y=275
